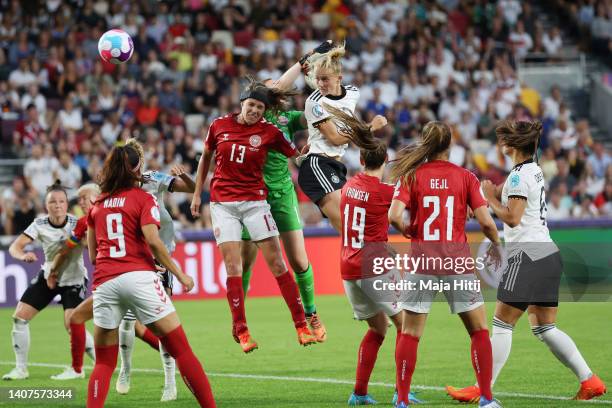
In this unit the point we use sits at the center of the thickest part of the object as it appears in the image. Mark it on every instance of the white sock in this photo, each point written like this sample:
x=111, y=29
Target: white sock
x=564, y=348
x=501, y=342
x=126, y=344
x=90, y=347
x=169, y=366
x=21, y=342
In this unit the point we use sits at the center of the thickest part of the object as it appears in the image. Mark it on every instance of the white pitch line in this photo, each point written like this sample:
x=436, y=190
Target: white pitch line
x=329, y=381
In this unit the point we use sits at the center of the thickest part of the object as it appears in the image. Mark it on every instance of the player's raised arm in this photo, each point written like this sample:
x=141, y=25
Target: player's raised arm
x=182, y=183
x=17, y=249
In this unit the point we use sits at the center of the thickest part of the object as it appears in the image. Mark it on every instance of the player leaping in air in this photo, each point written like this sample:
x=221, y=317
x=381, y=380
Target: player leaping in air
x=283, y=202
x=322, y=173
x=239, y=144
x=531, y=280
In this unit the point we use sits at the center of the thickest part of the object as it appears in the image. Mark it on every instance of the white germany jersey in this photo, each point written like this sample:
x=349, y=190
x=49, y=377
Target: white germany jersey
x=315, y=113
x=157, y=183
x=526, y=180
x=53, y=238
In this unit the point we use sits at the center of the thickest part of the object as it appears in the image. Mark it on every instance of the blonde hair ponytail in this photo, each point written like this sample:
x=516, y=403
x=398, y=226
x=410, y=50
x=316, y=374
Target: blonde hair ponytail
x=331, y=61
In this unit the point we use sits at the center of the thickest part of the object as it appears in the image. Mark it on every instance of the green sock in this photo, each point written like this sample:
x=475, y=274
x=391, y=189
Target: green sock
x=246, y=279
x=305, y=281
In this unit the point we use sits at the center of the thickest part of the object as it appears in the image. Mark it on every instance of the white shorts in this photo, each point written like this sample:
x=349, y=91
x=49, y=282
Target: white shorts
x=229, y=217
x=364, y=306
x=461, y=292
x=140, y=291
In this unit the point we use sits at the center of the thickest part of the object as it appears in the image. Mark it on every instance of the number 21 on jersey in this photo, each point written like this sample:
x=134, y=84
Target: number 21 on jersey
x=357, y=224
x=434, y=201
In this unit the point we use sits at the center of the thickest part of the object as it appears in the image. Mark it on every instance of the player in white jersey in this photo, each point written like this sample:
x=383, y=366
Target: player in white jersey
x=156, y=183
x=51, y=230
x=531, y=279
x=322, y=174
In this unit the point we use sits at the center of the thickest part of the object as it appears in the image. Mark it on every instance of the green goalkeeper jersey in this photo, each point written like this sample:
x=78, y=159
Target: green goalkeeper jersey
x=276, y=169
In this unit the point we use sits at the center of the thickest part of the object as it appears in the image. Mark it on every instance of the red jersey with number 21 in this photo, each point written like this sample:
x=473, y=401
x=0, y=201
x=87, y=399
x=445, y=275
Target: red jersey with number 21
x=364, y=205
x=240, y=154
x=438, y=201
x=121, y=246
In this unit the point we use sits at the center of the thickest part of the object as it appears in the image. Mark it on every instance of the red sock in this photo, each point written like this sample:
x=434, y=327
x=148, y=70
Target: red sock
x=405, y=361
x=368, y=351
x=77, y=345
x=99, y=380
x=482, y=361
x=235, y=298
x=191, y=370
x=290, y=292
x=151, y=339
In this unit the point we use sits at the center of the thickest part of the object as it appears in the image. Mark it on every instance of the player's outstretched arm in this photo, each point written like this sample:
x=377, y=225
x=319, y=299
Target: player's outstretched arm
x=183, y=183
x=288, y=78
x=151, y=235
x=201, y=175
x=396, y=217
x=58, y=263
x=17, y=249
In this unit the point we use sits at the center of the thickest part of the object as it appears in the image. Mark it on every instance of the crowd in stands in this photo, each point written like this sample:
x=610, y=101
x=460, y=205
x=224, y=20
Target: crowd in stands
x=414, y=61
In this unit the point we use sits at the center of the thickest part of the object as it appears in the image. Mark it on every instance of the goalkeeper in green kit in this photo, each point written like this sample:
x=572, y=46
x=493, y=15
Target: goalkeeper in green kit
x=284, y=204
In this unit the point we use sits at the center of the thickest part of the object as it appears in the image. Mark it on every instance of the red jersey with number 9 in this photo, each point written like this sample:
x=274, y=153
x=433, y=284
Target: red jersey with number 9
x=364, y=205
x=438, y=201
x=240, y=155
x=121, y=246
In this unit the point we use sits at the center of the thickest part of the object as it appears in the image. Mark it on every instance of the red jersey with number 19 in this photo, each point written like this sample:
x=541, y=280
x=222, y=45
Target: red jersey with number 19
x=240, y=155
x=438, y=201
x=117, y=221
x=364, y=205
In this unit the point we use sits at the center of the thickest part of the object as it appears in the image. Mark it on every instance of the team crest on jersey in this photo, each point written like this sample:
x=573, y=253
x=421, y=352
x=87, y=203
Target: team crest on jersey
x=225, y=136
x=282, y=120
x=515, y=180
x=317, y=110
x=335, y=178
x=255, y=140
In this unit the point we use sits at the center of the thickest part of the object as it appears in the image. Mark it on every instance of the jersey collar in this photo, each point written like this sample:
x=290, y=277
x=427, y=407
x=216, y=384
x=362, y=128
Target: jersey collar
x=58, y=226
x=530, y=160
x=337, y=97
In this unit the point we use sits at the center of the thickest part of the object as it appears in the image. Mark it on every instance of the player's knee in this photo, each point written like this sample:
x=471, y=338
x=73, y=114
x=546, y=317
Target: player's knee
x=233, y=268
x=541, y=332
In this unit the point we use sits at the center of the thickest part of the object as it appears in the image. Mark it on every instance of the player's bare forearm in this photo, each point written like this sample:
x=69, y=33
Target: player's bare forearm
x=489, y=229
x=202, y=172
x=504, y=213
x=159, y=251
x=288, y=78
x=185, y=184
x=59, y=261
x=329, y=130
x=17, y=249
x=396, y=216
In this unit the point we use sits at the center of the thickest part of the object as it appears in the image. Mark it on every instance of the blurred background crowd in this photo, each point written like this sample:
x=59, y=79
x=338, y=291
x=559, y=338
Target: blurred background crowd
x=414, y=61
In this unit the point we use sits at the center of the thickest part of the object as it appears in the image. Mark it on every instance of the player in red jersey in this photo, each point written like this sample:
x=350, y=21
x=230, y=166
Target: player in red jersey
x=122, y=239
x=364, y=203
x=438, y=194
x=240, y=143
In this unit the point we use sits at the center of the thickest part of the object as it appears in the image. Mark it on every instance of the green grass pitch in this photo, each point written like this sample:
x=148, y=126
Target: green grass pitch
x=283, y=374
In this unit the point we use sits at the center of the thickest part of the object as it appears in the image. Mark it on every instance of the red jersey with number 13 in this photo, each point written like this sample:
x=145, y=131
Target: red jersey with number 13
x=240, y=155
x=121, y=246
x=364, y=205
x=438, y=201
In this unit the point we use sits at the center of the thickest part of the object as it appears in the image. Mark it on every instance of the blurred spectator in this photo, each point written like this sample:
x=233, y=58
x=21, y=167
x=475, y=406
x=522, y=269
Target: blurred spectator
x=22, y=76
x=69, y=174
x=39, y=169
x=600, y=159
x=555, y=208
x=563, y=176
